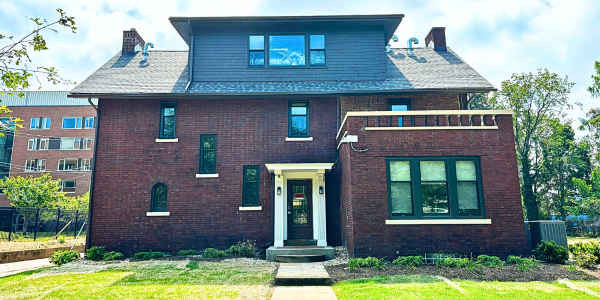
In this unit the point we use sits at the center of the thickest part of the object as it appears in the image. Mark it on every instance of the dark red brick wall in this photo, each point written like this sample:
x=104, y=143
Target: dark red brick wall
x=204, y=212
x=381, y=102
x=364, y=180
x=21, y=154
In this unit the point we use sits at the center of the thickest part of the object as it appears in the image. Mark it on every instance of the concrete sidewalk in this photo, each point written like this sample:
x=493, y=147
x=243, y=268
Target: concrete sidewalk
x=22, y=266
x=303, y=293
x=303, y=281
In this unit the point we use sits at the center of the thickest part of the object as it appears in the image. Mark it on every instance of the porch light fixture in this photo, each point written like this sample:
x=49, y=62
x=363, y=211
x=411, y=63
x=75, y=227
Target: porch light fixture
x=321, y=190
x=278, y=190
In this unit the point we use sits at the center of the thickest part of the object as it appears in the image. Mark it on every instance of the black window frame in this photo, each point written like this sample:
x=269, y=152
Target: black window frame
x=153, y=207
x=392, y=102
x=451, y=179
x=163, y=105
x=202, y=150
x=290, y=118
x=264, y=50
x=245, y=190
x=317, y=49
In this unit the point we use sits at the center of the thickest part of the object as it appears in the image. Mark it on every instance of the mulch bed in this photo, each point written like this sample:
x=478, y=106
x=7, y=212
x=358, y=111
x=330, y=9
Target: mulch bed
x=543, y=272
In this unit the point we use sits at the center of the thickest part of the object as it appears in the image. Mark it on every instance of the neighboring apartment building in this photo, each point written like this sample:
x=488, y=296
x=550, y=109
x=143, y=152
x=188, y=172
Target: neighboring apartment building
x=57, y=138
x=300, y=131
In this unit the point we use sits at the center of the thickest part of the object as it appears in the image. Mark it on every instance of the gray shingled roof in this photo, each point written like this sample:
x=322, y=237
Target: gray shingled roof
x=166, y=72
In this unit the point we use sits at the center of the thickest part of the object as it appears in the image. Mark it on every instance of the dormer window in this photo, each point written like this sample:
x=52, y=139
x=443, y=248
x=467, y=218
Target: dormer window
x=297, y=50
x=256, y=47
x=287, y=50
x=317, y=50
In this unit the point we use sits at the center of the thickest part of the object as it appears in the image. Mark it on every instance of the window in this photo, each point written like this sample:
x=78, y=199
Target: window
x=168, y=112
x=72, y=123
x=85, y=164
x=37, y=144
x=208, y=154
x=256, y=50
x=32, y=144
x=69, y=143
x=434, y=187
x=317, y=50
x=67, y=186
x=400, y=105
x=298, y=119
x=287, y=50
x=40, y=123
x=87, y=144
x=89, y=122
x=251, y=184
x=159, y=197
x=67, y=164
x=35, y=165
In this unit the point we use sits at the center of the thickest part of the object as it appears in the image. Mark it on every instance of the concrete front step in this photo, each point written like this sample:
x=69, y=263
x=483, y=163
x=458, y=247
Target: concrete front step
x=300, y=258
x=300, y=242
x=302, y=274
x=273, y=252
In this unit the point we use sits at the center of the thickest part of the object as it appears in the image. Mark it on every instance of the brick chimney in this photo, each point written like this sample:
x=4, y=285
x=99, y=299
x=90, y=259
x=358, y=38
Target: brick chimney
x=131, y=38
x=437, y=35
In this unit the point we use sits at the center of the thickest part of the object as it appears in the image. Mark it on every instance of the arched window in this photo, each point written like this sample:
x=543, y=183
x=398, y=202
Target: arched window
x=159, y=197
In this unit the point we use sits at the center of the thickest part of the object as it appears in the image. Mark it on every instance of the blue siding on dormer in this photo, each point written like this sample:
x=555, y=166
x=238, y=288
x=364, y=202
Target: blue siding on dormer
x=352, y=54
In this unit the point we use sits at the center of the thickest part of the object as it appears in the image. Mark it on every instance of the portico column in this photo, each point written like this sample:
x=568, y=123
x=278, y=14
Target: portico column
x=320, y=213
x=280, y=209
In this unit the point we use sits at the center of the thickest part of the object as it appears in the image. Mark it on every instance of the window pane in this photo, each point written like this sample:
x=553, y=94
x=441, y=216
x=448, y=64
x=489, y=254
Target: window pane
x=401, y=198
x=467, y=198
x=69, y=123
x=435, y=197
x=79, y=120
x=209, y=161
x=317, y=41
x=67, y=143
x=208, y=143
x=399, y=107
x=465, y=170
x=34, y=123
x=399, y=170
x=251, y=196
x=257, y=58
x=299, y=125
x=169, y=111
x=433, y=171
x=251, y=175
x=257, y=42
x=298, y=110
x=160, y=198
x=287, y=50
x=169, y=126
x=317, y=58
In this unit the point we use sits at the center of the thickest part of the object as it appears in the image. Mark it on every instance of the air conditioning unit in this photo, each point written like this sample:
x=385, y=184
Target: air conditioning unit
x=350, y=139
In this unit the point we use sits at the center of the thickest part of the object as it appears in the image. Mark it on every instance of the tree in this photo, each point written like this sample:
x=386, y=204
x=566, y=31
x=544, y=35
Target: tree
x=563, y=158
x=81, y=202
x=534, y=98
x=31, y=191
x=482, y=101
x=594, y=89
x=589, y=193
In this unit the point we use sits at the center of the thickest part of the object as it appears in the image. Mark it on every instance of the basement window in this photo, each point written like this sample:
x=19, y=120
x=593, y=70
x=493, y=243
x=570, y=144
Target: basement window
x=434, y=187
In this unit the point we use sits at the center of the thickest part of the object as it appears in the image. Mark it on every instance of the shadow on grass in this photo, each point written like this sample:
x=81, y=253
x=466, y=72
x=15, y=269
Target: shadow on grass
x=395, y=279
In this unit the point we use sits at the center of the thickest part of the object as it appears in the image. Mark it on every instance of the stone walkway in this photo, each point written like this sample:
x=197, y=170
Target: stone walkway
x=22, y=266
x=303, y=281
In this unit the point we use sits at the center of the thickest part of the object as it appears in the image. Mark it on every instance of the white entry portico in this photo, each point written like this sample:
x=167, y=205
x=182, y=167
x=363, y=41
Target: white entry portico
x=302, y=171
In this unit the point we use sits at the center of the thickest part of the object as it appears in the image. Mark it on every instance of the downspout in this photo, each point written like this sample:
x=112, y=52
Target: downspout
x=91, y=207
x=190, y=59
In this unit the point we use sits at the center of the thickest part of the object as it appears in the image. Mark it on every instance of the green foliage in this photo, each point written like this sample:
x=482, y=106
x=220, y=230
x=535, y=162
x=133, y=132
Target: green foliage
x=411, y=262
x=586, y=260
x=95, y=253
x=594, y=89
x=40, y=191
x=572, y=267
x=450, y=263
x=148, y=255
x=551, y=252
x=369, y=262
x=490, y=261
x=61, y=257
x=112, y=255
x=246, y=248
x=187, y=252
x=513, y=260
x=193, y=265
x=61, y=239
x=526, y=264
x=213, y=253
x=589, y=192
x=463, y=262
x=81, y=202
x=482, y=101
x=592, y=248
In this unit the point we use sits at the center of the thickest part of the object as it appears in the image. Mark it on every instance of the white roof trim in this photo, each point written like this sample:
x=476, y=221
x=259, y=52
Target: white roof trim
x=304, y=166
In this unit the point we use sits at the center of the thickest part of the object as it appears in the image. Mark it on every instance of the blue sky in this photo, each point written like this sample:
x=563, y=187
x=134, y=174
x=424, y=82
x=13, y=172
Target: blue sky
x=497, y=38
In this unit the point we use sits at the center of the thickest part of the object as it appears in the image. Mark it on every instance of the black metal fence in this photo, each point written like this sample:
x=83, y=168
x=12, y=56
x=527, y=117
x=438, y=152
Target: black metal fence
x=26, y=223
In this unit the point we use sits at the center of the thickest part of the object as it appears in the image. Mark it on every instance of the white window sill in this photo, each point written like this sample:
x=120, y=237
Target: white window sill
x=440, y=222
x=306, y=139
x=175, y=140
x=250, y=207
x=158, y=214
x=216, y=175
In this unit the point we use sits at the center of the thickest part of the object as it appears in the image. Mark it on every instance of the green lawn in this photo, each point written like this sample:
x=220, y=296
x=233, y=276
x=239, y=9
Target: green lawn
x=427, y=287
x=143, y=280
x=575, y=239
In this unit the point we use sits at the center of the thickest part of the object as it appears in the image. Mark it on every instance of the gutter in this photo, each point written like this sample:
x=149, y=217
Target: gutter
x=91, y=207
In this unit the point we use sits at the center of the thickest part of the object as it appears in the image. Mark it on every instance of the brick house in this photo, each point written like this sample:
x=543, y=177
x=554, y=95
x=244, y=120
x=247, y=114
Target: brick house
x=56, y=138
x=300, y=131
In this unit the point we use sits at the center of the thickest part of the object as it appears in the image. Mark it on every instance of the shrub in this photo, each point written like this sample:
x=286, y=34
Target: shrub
x=368, y=262
x=412, y=262
x=551, y=252
x=112, y=255
x=586, y=260
x=490, y=261
x=246, y=248
x=187, y=252
x=148, y=255
x=61, y=239
x=64, y=256
x=591, y=248
x=213, y=253
x=525, y=264
x=462, y=263
x=472, y=264
x=95, y=253
x=450, y=263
